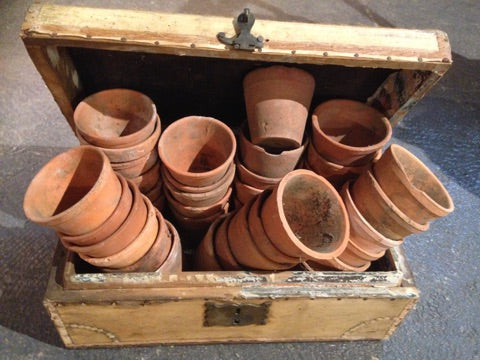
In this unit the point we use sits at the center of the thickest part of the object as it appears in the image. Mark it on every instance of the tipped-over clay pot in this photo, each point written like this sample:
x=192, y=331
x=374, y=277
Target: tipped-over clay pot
x=305, y=217
x=278, y=99
x=115, y=118
x=222, y=249
x=74, y=193
x=205, y=258
x=349, y=132
x=411, y=185
x=197, y=150
x=338, y=264
x=355, y=256
x=173, y=263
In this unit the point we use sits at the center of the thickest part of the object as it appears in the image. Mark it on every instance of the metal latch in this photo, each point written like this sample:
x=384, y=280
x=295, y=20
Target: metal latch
x=235, y=314
x=243, y=40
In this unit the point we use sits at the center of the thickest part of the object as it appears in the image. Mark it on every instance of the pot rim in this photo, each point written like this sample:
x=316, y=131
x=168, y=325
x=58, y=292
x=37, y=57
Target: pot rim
x=264, y=180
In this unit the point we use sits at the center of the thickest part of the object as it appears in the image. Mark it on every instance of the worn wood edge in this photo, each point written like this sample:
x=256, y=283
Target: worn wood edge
x=54, y=24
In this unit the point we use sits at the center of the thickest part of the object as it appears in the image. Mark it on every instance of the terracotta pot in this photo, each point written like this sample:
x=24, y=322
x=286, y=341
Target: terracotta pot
x=159, y=203
x=338, y=264
x=250, y=178
x=136, y=167
x=127, y=233
x=198, y=199
x=335, y=173
x=222, y=248
x=278, y=99
x=355, y=256
x=115, y=118
x=148, y=180
x=173, y=263
x=269, y=164
x=244, y=192
x=74, y=193
x=242, y=244
x=154, y=193
x=305, y=217
x=226, y=179
x=199, y=212
x=156, y=255
x=135, y=249
x=205, y=258
x=207, y=150
x=412, y=186
x=201, y=224
x=364, y=234
x=109, y=226
x=264, y=244
x=132, y=152
x=380, y=211
x=349, y=132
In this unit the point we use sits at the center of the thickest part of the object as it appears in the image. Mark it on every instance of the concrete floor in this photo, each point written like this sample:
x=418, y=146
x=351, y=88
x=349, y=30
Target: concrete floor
x=443, y=130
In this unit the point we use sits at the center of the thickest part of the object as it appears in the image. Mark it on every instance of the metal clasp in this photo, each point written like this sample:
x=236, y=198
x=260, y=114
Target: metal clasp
x=243, y=40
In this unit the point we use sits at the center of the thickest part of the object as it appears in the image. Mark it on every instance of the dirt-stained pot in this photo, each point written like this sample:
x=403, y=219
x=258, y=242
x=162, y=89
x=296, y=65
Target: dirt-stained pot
x=380, y=211
x=248, y=177
x=274, y=164
x=74, y=193
x=134, y=168
x=115, y=118
x=411, y=185
x=222, y=249
x=305, y=217
x=207, y=150
x=205, y=257
x=109, y=226
x=349, y=132
x=277, y=100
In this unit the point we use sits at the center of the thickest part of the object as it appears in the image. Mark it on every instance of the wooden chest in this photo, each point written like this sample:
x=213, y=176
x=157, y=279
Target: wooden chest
x=178, y=61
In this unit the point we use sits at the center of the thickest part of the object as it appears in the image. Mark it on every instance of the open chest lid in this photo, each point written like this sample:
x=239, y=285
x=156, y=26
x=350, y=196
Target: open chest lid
x=178, y=60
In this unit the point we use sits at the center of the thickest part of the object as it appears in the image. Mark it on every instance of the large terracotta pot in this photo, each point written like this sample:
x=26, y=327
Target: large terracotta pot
x=264, y=244
x=136, y=167
x=349, y=132
x=412, y=186
x=270, y=164
x=365, y=235
x=278, y=99
x=242, y=243
x=380, y=211
x=109, y=226
x=305, y=217
x=224, y=254
x=207, y=150
x=205, y=257
x=115, y=118
x=250, y=178
x=74, y=193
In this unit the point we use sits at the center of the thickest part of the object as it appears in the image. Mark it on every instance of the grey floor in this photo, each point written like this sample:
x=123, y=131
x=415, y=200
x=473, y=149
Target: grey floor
x=443, y=130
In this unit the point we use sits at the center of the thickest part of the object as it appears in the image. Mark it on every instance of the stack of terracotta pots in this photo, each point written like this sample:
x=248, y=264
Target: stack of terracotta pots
x=277, y=100
x=100, y=215
x=347, y=137
x=301, y=218
x=197, y=154
x=398, y=198
x=124, y=124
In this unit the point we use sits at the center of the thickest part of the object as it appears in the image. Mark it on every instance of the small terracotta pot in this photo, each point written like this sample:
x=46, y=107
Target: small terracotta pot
x=412, y=186
x=115, y=118
x=364, y=234
x=201, y=224
x=243, y=245
x=148, y=180
x=132, y=152
x=349, y=132
x=154, y=193
x=173, y=263
x=244, y=192
x=264, y=244
x=338, y=264
x=124, y=235
x=135, y=249
x=222, y=248
x=305, y=217
x=136, y=167
x=199, y=212
x=205, y=258
x=335, y=173
x=226, y=179
x=278, y=99
x=156, y=255
x=355, y=256
x=269, y=164
x=109, y=226
x=74, y=193
x=207, y=150
x=380, y=211
x=258, y=181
